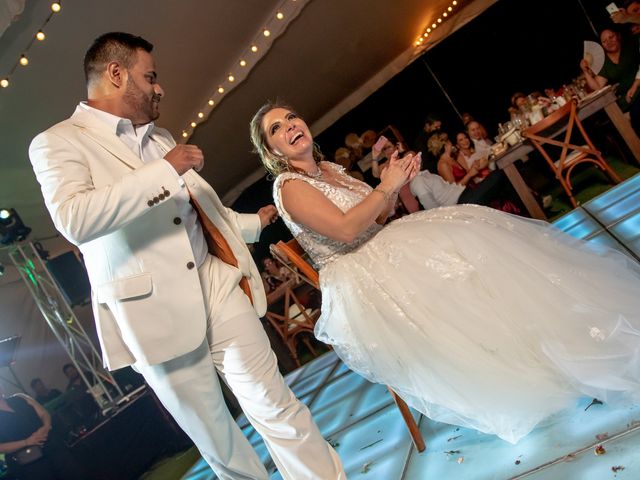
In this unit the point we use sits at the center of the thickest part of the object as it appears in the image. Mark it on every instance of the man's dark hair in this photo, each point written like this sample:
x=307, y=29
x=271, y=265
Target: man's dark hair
x=35, y=381
x=112, y=47
x=67, y=366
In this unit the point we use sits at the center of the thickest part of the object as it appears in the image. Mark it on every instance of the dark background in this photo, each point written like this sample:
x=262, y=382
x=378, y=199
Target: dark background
x=513, y=46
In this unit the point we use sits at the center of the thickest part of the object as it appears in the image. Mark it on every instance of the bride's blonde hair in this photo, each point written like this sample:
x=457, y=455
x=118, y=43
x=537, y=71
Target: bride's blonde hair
x=274, y=163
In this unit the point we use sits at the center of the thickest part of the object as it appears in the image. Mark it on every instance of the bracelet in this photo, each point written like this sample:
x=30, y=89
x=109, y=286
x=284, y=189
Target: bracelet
x=384, y=193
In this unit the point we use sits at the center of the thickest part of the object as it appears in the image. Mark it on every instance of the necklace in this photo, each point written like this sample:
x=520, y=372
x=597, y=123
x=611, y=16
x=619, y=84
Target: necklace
x=316, y=174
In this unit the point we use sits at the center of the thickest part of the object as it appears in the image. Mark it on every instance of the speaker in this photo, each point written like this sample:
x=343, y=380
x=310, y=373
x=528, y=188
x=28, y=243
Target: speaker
x=71, y=277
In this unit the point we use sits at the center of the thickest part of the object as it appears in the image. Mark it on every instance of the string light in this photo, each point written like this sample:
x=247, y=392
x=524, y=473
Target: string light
x=444, y=15
x=262, y=40
x=23, y=60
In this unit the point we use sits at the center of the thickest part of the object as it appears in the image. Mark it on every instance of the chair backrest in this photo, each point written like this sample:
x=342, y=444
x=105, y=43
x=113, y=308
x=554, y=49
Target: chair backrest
x=292, y=252
x=556, y=130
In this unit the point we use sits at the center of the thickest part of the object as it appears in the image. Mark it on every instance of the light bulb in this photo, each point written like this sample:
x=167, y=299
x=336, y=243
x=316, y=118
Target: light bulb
x=185, y=134
x=428, y=30
x=220, y=89
x=200, y=115
x=434, y=25
x=454, y=2
x=4, y=83
x=266, y=32
x=211, y=102
x=425, y=35
x=439, y=20
x=24, y=61
x=449, y=8
x=243, y=63
x=55, y=6
x=193, y=124
x=254, y=48
x=40, y=35
x=231, y=78
x=279, y=15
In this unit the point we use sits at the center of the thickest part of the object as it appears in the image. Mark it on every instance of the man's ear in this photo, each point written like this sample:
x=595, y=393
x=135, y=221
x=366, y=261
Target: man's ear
x=117, y=75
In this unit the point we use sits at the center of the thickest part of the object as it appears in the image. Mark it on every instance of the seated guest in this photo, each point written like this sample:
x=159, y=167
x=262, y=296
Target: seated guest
x=384, y=148
x=467, y=155
x=621, y=63
x=33, y=450
x=43, y=394
x=274, y=275
x=518, y=103
x=479, y=136
x=448, y=166
x=433, y=191
x=432, y=126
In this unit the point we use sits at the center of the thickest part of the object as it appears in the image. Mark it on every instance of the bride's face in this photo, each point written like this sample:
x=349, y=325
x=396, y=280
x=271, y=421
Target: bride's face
x=287, y=134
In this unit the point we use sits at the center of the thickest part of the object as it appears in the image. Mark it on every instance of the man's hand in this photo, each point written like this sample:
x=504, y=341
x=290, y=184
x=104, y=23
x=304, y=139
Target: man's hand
x=38, y=437
x=185, y=157
x=268, y=215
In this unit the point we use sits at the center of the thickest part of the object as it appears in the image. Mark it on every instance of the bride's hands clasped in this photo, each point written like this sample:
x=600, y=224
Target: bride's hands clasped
x=400, y=170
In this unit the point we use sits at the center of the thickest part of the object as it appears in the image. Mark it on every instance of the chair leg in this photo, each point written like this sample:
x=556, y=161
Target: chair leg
x=307, y=343
x=414, y=431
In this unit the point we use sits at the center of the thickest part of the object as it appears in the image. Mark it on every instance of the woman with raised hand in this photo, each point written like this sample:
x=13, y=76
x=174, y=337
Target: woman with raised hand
x=475, y=317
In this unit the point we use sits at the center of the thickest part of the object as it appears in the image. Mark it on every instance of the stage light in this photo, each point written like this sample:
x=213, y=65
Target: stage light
x=11, y=227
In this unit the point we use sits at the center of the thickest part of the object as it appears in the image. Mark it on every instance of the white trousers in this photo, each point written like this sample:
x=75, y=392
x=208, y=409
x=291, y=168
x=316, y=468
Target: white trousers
x=238, y=348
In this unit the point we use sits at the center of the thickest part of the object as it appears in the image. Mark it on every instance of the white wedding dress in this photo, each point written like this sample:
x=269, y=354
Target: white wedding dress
x=476, y=317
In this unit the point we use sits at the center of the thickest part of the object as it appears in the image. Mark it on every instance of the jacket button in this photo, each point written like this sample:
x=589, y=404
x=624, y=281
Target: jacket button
x=150, y=203
x=177, y=220
x=161, y=196
x=190, y=265
x=166, y=192
x=156, y=200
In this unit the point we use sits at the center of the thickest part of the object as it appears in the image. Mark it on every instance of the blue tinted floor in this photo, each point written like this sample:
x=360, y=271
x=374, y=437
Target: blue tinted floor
x=361, y=421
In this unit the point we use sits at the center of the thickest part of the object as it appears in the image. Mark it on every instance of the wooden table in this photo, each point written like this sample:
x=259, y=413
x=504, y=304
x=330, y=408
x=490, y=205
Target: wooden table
x=603, y=99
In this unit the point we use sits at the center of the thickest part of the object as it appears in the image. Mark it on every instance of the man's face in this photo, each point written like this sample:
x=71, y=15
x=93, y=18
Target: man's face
x=142, y=92
x=39, y=388
x=72, y=373
x=475, y=131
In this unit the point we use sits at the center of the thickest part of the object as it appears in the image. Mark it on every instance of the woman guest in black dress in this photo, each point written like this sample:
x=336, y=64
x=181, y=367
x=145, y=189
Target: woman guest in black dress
x=31, y=448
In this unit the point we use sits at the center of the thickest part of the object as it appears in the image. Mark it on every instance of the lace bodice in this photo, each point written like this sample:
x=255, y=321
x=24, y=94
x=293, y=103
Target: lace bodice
x=320, y=248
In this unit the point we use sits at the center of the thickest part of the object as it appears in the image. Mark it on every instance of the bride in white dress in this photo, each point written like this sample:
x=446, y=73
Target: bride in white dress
x=475, y=317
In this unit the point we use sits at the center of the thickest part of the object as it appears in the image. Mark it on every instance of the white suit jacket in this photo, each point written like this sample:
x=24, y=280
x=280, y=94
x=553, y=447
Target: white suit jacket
x=146, y=293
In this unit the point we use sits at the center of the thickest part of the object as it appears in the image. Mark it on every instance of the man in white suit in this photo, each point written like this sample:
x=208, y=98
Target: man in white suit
x=122, y=190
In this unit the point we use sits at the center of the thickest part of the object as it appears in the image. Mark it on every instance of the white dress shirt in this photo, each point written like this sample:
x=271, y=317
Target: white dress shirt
x=139, y=142
x=433, y=191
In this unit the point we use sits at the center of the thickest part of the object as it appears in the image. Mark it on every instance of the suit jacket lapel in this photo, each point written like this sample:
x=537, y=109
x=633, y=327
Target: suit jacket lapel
x=96, y=130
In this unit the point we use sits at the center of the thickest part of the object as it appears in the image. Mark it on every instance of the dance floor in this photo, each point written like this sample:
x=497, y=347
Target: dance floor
x=359, y=418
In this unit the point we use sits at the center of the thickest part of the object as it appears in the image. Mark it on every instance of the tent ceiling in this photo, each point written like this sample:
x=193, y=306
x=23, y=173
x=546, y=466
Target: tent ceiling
x=329, y=51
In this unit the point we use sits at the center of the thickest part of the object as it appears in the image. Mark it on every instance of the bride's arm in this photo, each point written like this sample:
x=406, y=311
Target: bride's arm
x=308, y=205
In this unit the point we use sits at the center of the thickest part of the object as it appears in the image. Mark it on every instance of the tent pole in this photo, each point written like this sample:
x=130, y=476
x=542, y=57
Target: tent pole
x=584, y=10
x=424, y=61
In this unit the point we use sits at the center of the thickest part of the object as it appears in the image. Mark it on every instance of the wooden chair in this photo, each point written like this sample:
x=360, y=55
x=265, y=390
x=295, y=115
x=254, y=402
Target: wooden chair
x=545, y=132
x=292, y=252
x=296, y=322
